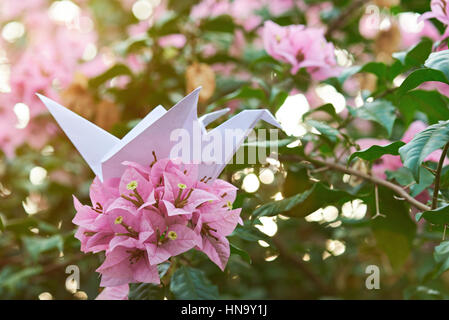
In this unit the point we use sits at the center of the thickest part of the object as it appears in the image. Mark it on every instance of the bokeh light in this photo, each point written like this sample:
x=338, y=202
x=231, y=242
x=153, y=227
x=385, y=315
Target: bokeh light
x=290, y=113
x=251, y=183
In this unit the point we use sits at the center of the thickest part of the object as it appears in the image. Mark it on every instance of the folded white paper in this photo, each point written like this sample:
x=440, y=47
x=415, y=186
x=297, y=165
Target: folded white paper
x=105, y=153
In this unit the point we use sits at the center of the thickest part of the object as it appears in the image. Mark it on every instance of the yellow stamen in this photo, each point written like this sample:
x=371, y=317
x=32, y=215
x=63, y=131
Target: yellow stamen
x=182, y=186
x=118, y=220
x=132, y=185
x=172, y=235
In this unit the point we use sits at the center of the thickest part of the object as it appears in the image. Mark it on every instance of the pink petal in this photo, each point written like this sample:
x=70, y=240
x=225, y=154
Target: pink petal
x=114, y=293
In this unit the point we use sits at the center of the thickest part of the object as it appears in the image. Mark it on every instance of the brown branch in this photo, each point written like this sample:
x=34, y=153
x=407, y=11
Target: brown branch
x=381, y=182
x=436, y=188
x=302, y=266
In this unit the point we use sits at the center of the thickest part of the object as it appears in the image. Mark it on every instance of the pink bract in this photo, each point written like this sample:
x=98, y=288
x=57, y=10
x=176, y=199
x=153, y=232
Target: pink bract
x=301, y=47
x=150, y=214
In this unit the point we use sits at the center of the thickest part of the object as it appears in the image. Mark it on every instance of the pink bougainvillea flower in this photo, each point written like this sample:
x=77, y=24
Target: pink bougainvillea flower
x=127, y=264
x=213, y=229
x=439, y=11
x=150, y=214
x=114, y=293
x=170, y=239
x=93, y=232
x=180, y=196
x=126, y=258
x=103, y=194
x=301, y=47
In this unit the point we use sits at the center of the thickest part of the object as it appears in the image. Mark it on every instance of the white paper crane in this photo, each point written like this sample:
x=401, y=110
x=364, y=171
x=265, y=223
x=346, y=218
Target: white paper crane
x=105, y=153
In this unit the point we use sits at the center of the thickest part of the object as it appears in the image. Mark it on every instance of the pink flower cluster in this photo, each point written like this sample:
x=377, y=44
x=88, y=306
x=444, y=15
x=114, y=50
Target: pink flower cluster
x=301, y=47
x=151, y=214
x=44, y=61
x=244, y=12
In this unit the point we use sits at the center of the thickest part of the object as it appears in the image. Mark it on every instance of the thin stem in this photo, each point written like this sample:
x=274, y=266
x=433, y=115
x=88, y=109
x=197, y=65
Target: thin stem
x=381, y=182
x=436, y=189
x=376, y=198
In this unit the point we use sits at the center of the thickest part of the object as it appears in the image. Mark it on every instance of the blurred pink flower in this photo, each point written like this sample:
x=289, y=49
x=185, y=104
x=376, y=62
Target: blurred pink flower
x=47, y=63
x=245, y=13
x=139, y=29
x=369, y=26
x=278, y=7
x=411, y=36
x=313, y=13
x=210, y=9
x=301, y=47
x=238, y=46
x=10, y=9
x=173, y=40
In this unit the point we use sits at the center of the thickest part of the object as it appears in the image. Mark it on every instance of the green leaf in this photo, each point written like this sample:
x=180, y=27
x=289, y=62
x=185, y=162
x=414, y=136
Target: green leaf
x=277, y=98
x=133, y=44
x=418, y=77
x=149, y=291
x=145, y=291
x=395, y=232
x=327, y=108
x=243, y=93
x=439, y=216
x=37, y=245
x=433, y=104
x=405, y=177
x=2, y=225
x=417, y=55
x=242, y=253
x=444, y=180
x=375, y=152
x=326, y=130
x=423, y=144
x=423, y=293
x=191, y=284
x=249, y=232
x=222, y=23
x=116, y=70
x=377, y=68
x=441, y=256
x=21, y=225
x=304, y=203
x=13, y=280
x=437, y=69
x=439, y=61
x=380, y=111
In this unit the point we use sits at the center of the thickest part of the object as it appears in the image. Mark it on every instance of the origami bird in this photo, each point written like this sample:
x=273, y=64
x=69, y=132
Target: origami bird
x=105, y=153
